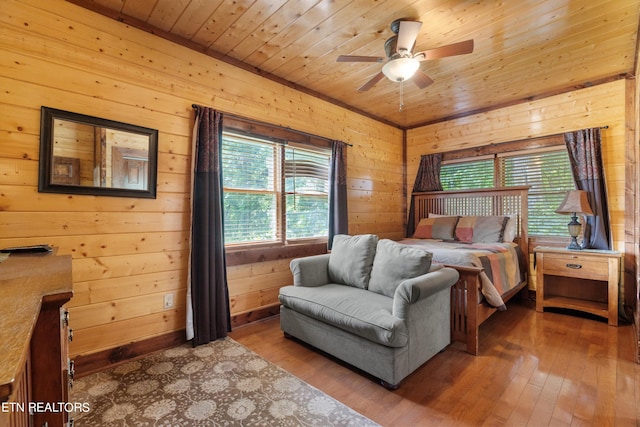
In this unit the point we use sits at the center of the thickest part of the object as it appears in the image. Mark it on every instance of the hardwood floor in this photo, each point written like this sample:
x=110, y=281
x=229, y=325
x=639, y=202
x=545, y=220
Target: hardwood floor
x=534, y=369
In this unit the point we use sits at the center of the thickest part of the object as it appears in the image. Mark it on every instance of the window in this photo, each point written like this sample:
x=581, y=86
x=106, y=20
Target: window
x=273, y=192
x=547, y=172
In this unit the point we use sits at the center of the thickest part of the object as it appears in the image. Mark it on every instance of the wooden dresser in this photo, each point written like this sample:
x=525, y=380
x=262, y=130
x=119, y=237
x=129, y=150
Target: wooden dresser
x=34, y=335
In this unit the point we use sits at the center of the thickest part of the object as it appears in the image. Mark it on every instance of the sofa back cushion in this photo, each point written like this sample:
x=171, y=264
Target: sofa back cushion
x=351, y=259
x=394, y=263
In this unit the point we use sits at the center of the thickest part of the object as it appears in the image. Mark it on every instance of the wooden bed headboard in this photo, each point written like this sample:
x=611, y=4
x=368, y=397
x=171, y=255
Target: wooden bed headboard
x=510, y=201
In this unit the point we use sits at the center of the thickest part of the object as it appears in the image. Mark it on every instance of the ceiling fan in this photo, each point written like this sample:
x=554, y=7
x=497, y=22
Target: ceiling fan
x=401, y=64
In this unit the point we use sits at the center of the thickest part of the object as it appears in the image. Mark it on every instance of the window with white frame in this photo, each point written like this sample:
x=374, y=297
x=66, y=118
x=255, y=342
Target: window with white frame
x=547, y=172
x=274, y=192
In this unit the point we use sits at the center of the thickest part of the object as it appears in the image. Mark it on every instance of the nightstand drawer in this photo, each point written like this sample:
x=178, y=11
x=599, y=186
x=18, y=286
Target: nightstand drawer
x=579, y=266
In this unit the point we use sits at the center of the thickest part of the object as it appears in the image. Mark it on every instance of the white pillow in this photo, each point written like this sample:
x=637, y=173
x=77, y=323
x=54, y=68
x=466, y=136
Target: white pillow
x=510, y=230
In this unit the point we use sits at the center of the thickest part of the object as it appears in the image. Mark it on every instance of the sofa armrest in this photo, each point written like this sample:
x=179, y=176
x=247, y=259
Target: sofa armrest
x=421, y=287
x=310, y=271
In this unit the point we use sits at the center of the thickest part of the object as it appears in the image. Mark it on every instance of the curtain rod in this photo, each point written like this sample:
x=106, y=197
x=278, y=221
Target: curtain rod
x=287, y=128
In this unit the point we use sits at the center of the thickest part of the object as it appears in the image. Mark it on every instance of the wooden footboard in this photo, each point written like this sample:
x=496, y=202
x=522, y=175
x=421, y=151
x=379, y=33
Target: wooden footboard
x=466, y=313
x=464, y=307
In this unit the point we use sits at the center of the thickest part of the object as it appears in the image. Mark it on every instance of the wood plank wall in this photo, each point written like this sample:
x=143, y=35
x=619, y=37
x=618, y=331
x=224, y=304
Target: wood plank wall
x=602, y=105
x=127, y=253
x=632, y=201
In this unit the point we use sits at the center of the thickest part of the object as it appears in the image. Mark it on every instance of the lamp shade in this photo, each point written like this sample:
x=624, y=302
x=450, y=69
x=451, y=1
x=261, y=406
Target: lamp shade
x=400, y=69
x=575, y=202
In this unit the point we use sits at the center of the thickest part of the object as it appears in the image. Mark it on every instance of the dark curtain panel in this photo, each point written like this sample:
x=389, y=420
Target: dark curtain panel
x=427, y=179
x=585, y=154
x=338, y=219
x=209, y=292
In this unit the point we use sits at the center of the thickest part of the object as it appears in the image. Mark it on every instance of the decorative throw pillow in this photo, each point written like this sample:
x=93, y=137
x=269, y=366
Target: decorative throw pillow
x=394, y=263
x=351, y=259
x=441, y=227
x=481, y=229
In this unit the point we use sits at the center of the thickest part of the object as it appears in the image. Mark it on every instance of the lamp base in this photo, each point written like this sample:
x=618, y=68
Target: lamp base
x=574, y=232
x=574, y=244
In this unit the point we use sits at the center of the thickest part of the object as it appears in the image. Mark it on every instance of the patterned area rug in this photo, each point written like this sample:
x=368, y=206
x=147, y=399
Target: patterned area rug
x=219, y=384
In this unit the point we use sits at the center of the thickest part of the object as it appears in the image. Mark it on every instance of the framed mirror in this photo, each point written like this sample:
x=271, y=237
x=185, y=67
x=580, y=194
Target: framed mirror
x=81, y=154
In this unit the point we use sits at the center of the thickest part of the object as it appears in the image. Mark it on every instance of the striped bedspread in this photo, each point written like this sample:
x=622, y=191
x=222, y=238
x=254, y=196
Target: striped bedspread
x=500, y=261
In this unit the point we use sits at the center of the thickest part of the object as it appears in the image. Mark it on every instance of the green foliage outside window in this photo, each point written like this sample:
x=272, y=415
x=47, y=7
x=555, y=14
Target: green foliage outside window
x=473, y=174
x=249, y=217
x=307, y=216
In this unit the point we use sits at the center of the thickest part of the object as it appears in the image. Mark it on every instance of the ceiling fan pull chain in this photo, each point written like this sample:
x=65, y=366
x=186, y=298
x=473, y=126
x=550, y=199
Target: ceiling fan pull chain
x=401, y=95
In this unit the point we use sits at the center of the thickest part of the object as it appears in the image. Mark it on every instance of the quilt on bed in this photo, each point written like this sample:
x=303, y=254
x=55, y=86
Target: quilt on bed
x=500, y=261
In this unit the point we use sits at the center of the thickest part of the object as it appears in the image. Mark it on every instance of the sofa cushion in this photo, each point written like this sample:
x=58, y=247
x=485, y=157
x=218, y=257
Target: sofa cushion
x=351, y=259
x=394, y=263
x=363, y=313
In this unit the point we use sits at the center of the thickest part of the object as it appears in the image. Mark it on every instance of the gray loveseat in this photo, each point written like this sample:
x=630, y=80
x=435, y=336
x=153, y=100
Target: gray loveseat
x=375, y=304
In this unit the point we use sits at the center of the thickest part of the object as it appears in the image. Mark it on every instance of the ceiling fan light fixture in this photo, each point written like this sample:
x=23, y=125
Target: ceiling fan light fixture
x=400, y=69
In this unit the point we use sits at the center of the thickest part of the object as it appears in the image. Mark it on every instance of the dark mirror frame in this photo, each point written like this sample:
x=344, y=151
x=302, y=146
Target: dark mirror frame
x=45, y=184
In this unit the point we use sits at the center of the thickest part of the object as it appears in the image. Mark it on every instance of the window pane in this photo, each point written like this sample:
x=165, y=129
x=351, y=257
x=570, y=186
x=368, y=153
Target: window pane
x=473, y=174
x=247, y=164
x=250, y=198
x=307, y=216
x=307, y=188
x=306, y=171
x=249, y=217
x=549, y=175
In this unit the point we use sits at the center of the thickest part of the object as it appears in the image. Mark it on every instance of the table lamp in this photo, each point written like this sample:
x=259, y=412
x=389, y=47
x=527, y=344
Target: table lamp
x=575, y=203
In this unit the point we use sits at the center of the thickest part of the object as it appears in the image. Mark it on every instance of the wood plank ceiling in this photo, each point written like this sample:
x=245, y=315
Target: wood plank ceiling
x=524, y=49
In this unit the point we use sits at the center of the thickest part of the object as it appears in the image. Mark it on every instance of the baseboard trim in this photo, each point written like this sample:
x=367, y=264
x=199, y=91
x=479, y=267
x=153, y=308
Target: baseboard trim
x=255, y=315
x=95, y=362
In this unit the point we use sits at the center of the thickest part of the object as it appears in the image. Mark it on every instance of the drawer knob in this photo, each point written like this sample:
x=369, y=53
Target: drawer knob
x=574, y=266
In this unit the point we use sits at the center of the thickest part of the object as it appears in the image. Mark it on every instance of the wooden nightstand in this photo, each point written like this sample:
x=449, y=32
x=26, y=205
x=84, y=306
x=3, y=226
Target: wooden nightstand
x=583, y=280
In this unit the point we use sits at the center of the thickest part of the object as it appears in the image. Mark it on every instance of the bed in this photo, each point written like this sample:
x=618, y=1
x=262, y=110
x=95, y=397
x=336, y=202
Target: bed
x=491, y=272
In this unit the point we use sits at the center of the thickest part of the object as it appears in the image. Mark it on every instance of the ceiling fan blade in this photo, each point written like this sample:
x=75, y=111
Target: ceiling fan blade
x=421, y=79
x=355, y=58
x=407, y=35
x=459, y=48
x=371, y=83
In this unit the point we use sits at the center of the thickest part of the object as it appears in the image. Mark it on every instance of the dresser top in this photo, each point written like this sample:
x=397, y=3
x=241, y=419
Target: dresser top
x=26, y=283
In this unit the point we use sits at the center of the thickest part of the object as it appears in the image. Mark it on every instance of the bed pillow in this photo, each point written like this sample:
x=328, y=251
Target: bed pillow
x=351, y=259
x=481, y=229
x=510, y=230
x=442, y=227
x=394, y=263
